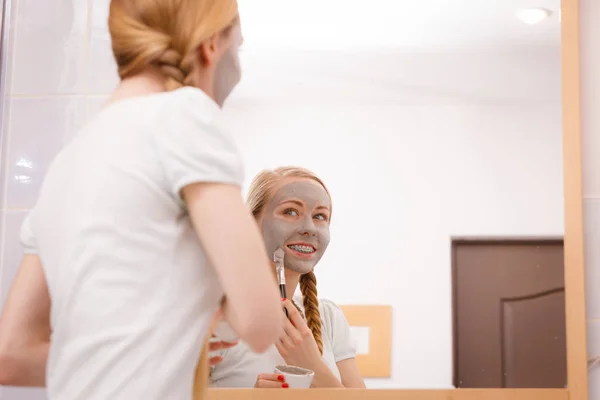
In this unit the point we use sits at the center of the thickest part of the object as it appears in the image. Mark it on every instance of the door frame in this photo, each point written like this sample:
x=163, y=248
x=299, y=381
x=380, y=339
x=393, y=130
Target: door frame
x=460, y=240
x=577, y=369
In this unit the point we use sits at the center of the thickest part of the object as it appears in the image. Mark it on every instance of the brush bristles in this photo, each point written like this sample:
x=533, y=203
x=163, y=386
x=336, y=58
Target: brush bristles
x=278, y=256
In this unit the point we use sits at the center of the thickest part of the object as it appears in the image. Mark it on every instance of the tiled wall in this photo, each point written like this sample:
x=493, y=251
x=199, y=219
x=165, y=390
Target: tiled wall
x=52, y=89
x=590, y=119
x=53, y=86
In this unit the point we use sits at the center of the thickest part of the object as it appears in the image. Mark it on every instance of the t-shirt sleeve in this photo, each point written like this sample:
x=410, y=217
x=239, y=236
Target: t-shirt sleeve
x=192, y=148
x=27, y=236
x=342, y=342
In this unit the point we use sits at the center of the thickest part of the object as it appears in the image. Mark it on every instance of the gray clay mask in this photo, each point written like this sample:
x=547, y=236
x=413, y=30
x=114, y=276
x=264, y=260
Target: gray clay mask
x=301, y=231
x=228, y=74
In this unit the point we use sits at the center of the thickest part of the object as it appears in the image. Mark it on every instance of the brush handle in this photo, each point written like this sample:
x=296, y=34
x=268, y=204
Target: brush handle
x=284, y=296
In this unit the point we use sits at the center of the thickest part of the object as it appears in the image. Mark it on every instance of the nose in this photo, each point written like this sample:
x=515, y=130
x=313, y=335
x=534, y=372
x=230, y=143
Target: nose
x=308, y=227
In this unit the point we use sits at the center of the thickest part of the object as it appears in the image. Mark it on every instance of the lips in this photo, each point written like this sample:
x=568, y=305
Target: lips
x=302, y=248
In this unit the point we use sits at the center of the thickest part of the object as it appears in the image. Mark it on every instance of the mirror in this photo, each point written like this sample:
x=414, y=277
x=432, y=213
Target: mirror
x=436, y=126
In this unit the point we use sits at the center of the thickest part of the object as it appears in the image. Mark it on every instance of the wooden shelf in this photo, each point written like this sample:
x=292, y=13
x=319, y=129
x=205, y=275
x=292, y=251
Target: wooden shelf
x=364, y=394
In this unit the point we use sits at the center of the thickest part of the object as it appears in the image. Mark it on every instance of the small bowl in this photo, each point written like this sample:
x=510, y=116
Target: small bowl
x=296, y=377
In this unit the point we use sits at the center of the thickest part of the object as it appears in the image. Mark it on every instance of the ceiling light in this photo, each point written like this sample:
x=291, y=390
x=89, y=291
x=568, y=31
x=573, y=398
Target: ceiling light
x=533, y=16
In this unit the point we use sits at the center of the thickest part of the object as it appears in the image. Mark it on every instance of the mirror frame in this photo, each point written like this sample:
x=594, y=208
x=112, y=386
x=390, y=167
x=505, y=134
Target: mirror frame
x=577, y=373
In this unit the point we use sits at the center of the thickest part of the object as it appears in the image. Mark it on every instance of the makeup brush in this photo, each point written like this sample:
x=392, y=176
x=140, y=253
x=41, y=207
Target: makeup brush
x=278, y=259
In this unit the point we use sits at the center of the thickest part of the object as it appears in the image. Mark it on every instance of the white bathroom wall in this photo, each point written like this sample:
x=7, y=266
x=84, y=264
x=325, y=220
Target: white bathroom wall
x=404, y=179
x=415, y=148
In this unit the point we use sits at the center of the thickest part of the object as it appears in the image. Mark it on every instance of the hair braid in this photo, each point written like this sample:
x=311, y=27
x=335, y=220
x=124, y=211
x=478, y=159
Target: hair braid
x=165, y=34
x=169, y=63
x=308, y=287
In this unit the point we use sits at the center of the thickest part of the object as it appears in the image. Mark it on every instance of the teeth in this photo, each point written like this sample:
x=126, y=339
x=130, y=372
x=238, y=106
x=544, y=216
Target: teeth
x=302, y=249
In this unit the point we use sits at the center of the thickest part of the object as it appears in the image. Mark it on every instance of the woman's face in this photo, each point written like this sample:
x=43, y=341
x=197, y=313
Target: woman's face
x=228, y=72
x=297, y=220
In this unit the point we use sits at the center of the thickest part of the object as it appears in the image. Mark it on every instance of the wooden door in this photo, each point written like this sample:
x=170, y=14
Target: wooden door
x=509, y=314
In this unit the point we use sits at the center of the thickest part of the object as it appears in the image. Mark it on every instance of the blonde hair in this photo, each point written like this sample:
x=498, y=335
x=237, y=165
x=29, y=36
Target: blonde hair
x=259, y=194
x=165, y=34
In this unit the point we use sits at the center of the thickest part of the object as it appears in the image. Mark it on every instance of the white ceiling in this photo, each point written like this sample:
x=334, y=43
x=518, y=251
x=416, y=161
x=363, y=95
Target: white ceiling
x=424, y=25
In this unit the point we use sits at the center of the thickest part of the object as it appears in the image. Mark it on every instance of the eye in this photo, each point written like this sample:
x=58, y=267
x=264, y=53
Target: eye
x=321, y=217
x=291, y=212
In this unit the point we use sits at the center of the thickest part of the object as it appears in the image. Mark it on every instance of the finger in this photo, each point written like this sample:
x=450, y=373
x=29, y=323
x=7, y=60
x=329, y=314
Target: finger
x=283, y=351
x=270, y=381
x=214, y=360
x=299, y=330
x=271, y=377
x=293, y=332
x=269, y=384
x=293, y=313
x=287, y=340
x=220, y=345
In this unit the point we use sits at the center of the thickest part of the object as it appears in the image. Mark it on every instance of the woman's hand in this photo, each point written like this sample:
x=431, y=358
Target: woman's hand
x=297, y=345
x=270, y=381
x=216, y=345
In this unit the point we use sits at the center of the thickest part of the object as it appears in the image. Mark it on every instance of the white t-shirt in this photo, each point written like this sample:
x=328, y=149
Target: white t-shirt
x=132, y=293
x=241, y=366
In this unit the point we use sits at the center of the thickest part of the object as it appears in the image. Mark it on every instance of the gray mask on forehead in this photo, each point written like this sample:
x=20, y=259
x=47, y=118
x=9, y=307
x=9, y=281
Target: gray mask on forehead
x=279, y=230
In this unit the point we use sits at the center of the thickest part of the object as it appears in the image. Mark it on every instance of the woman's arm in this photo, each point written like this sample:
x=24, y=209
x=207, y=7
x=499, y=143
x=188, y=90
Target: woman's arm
x=324, y=378
x=344, y=348
x=203, y=167
x=298, y=347
x=232, y=241
x=25, y=327
x=350, y=374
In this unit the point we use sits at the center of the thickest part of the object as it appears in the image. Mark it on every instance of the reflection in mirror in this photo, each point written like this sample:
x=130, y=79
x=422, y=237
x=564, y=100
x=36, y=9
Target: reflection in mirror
x=436, y=127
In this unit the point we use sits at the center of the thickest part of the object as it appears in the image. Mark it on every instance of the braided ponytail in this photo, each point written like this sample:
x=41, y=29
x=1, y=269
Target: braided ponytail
x=170, y=66
x=165, y=34
x=308, y=287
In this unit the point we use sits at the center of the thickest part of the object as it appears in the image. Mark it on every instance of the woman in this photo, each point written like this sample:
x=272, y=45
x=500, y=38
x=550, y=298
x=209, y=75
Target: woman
x=293, y=208
x=129, y=247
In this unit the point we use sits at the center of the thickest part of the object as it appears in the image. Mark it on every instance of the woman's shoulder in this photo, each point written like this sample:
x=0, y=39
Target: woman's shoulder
x=191, y=114
x=176, y=107
x=332, y=316
x=192, y=143
x=330, y=307
x=331, y=313
x=187, y=105
x=337, y=330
